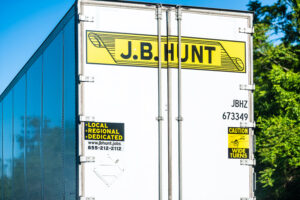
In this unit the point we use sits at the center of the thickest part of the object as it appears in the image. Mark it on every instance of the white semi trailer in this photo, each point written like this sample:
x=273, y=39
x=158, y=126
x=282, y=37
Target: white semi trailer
x=120, y=116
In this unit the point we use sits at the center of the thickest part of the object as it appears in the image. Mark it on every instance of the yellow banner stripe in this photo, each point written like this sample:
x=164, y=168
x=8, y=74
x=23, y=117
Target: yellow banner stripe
x=142, y=50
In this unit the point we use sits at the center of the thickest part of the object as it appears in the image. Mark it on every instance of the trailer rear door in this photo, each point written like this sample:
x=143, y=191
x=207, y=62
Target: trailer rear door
x=151, y=133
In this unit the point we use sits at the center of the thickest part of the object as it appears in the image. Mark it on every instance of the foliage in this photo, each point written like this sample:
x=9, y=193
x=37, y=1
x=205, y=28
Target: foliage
x=277, y=98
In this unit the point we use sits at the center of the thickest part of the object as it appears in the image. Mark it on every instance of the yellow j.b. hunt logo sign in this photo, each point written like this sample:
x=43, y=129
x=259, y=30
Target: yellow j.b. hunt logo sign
x=142, y=50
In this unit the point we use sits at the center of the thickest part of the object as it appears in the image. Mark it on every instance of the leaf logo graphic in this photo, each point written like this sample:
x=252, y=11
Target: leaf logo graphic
x=238, y=63
x=96, y=40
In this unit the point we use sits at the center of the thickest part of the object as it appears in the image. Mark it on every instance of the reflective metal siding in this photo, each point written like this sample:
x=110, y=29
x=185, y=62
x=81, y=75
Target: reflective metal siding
x=37, y=122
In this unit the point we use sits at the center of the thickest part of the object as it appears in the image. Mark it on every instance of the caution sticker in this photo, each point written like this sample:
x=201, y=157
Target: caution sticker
x=238, y=143
x=104, y=136
x=142, y=50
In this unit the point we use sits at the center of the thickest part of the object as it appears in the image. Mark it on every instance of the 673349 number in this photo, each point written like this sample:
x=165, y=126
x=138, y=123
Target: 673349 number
x=234, y=116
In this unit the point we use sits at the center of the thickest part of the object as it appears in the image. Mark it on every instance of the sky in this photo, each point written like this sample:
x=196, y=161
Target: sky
x=25, y=24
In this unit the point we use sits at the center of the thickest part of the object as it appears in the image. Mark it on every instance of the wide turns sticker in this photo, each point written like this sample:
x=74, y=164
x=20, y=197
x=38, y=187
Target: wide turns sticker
x=238, y=143
x=142, y=50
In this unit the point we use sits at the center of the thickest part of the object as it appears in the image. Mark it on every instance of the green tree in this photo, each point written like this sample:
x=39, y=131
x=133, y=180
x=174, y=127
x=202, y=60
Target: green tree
x=277, y=98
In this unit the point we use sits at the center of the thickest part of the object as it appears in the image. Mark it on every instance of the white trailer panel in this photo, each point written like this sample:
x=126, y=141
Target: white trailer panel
x=119, y=49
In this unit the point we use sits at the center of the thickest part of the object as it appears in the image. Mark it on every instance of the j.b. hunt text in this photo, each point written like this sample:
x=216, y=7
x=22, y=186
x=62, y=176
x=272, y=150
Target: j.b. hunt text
x=192, y=53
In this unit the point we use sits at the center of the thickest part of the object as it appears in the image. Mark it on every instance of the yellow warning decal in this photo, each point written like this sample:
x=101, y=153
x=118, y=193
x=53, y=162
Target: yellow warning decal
x=104, y=131
x=238, y=143
x=142, y=50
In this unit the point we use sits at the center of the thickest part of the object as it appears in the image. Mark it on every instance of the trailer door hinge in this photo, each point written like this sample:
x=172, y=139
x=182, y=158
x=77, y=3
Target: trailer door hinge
x=90, y=79
x=248, y=162
x=85, y=18
x=86, y=118
x=246, y=30
x=87, y=198
x=158, y=12
x=85, y=159
x=178, y=13
x=247, y=87
x=159, y=118
x=180, y=118
x=245, y=198
x=247, y=124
